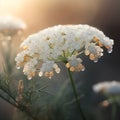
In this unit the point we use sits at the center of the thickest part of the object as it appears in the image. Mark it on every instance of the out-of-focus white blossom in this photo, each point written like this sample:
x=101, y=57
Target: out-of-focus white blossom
x=111, y=88
x=9, y=26
x=11, y=23
x=62, y=43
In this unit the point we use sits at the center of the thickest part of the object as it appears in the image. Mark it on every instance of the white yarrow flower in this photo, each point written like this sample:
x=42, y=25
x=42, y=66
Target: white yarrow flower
x=63, y=43
x=11, y=23
x=111, y=88
x=9, y=27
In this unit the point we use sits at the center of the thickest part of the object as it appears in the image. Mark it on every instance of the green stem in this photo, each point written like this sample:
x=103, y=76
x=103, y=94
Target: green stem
x=114, y=111
x=76, y=95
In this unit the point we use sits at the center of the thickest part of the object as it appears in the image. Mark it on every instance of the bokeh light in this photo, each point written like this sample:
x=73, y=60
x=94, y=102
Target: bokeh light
x=43, y=13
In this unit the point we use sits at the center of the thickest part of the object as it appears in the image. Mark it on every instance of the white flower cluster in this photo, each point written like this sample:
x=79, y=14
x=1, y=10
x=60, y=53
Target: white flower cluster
x=111, y=88
x=63, y=43
x=10, y=25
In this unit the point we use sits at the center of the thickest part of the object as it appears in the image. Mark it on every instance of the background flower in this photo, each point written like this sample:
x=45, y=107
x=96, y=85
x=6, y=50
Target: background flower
x=110, y=88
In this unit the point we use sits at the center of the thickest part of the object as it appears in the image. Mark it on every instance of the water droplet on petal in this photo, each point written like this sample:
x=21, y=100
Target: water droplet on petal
x=18, y=67
x=83, y=69
x=40, y=74
x=96, y=60
x=110, y=51
x=29, y=78
x=57, y=70
x=101, y=54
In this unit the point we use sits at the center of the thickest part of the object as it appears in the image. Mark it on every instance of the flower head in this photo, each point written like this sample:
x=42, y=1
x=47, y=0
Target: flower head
x=10, y=25
x=111, y=88
x=62, y=43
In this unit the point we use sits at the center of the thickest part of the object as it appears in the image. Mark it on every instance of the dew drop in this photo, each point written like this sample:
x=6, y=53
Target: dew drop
x=40, y=74
x=83, y=69
x=110, y=51
x=29, y=78
x=101, y=54
x=57, y=70
x=18, y=68
x=96, y=60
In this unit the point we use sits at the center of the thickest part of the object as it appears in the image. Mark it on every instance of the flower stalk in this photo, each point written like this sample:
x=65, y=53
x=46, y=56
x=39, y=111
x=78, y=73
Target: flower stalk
x=76, y=95
x=114, y=108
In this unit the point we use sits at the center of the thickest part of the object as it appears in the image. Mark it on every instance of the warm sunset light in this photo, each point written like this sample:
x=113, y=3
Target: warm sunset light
x=47, y=13
x=10, y=6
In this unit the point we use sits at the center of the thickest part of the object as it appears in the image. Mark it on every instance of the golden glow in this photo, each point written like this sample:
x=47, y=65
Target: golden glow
x=10, y=6
x=39, y=14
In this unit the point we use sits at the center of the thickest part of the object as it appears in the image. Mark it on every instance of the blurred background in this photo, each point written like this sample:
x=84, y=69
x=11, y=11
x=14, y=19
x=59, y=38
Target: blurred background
x=103, y=14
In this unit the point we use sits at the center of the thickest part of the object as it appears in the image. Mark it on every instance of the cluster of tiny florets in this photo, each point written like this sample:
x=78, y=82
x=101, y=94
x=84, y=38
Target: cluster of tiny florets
x=75, y=64
x=48, y=69
x=63, y=43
